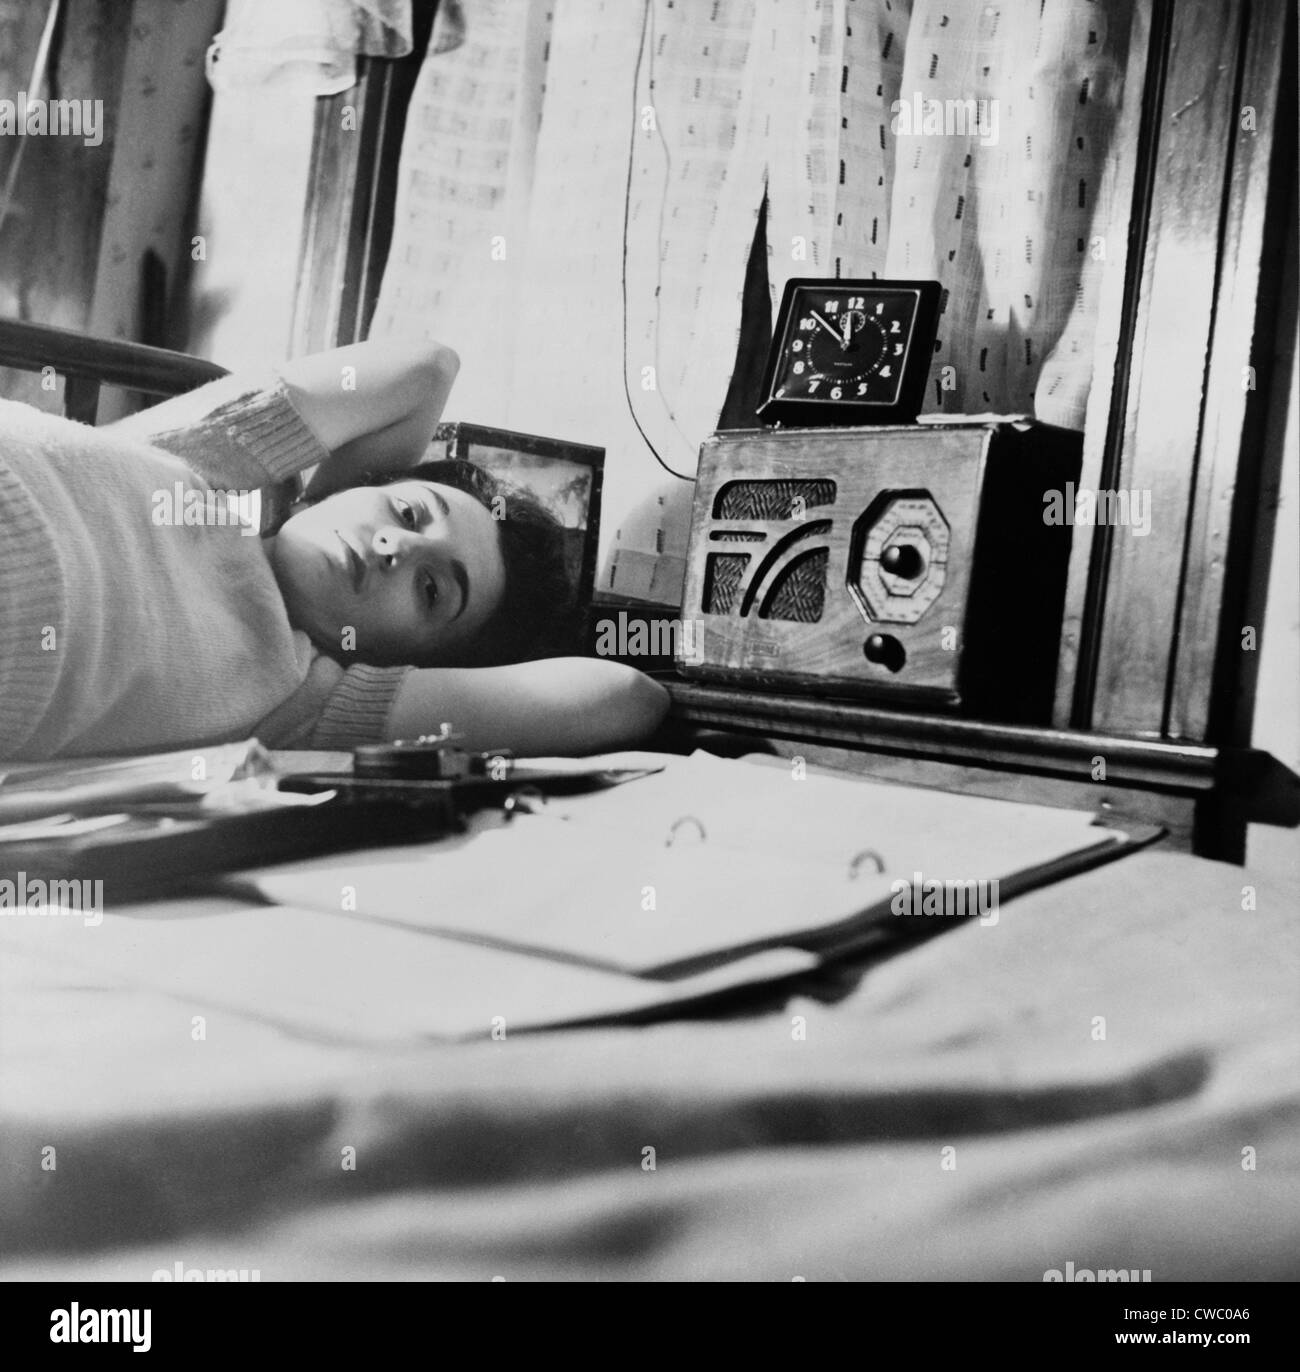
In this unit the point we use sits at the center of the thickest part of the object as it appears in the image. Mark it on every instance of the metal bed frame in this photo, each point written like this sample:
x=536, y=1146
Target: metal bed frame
x=87, y=363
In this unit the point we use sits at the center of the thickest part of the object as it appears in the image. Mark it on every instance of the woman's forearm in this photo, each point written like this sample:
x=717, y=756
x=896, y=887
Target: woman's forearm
x=373, y=405
x=401, y=444
x=563, y=705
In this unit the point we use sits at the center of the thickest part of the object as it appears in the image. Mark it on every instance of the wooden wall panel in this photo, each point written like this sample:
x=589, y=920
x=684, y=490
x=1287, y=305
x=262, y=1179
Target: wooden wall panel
x=1080, y=622
x=1167, y=378
x=1227, y=486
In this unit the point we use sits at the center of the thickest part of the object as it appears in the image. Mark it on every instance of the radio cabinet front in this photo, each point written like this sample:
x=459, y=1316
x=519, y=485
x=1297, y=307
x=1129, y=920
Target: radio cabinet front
x=919, y=562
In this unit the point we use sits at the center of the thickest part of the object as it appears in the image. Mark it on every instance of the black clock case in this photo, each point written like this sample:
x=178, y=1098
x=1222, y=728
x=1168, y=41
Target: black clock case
x=842, y=413
x=1007, y=566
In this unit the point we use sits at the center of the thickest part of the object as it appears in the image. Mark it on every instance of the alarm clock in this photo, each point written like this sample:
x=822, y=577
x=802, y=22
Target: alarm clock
x=850, y=352
x=908, y=563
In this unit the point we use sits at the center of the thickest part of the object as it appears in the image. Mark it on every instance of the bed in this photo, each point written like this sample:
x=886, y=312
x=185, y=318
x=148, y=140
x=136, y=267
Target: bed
x=1109, y=1084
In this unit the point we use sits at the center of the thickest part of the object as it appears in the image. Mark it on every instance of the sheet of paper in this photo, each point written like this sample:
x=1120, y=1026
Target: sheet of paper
x=613, y=901
x=756, y=858
x=343, y=980
x=774, y=806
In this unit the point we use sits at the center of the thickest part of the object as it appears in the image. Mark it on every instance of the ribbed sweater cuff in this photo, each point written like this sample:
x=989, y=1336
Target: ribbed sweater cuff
x=251, y=412
x=266, y=422
x=357, y=711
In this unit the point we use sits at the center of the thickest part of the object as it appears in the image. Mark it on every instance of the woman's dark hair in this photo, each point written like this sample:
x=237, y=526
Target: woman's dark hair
x=536, y=615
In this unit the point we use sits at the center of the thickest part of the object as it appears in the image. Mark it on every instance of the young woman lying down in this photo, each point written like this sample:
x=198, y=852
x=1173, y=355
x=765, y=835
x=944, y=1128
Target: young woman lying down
x=396, y=596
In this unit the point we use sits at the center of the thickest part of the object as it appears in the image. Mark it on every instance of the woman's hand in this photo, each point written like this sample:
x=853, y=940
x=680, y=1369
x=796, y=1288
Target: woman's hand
x=373, y=405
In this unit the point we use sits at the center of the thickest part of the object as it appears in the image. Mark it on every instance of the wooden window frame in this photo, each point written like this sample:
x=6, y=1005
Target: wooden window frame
x=351, y=187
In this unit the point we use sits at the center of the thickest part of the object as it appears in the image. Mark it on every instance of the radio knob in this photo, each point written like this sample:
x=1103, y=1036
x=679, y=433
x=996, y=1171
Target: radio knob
x=885, y=651
x=903, y=559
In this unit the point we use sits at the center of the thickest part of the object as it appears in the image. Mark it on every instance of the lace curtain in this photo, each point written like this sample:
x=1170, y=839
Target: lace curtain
x=563, y=157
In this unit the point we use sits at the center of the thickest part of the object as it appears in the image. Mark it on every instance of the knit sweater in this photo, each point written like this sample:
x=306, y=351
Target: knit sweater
x=123, y=632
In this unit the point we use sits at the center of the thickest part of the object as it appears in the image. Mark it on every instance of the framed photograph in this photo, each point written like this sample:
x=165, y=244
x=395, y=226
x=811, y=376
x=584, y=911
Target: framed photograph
x=566, y=477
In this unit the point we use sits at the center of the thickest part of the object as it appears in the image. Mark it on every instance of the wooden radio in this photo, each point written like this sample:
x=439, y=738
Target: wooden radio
x=907, y=562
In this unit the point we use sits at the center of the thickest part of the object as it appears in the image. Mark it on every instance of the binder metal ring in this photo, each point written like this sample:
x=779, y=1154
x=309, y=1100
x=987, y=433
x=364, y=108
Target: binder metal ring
x=677, y=824
x=866, y=855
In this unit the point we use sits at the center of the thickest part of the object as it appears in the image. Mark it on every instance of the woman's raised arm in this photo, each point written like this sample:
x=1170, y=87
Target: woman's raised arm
x=373, y=405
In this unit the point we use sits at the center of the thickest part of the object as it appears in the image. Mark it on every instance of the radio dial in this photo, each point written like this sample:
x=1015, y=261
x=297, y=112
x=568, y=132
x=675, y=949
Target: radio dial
x=898, y=557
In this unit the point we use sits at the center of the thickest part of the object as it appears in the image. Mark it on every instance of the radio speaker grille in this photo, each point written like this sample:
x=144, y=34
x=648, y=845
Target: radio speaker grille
x=722, y=580
x=770, y=499
x=800, y=591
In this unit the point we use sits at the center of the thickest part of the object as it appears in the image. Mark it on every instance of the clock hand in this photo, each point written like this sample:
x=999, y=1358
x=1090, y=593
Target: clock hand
x=827, y=327
x=848, y=329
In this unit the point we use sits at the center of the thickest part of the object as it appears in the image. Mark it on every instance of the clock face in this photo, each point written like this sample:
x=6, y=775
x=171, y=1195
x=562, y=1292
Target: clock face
x=842, y=346
x=851, y=351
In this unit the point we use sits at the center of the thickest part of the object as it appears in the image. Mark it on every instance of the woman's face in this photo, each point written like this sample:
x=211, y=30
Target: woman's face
x=407, y=573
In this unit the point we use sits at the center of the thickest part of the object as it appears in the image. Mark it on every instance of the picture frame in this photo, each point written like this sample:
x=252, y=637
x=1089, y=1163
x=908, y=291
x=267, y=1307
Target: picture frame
x=565, y=476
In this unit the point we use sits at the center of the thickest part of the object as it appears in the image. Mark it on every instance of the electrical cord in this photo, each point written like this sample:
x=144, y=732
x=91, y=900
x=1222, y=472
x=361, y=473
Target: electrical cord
x=627, y=211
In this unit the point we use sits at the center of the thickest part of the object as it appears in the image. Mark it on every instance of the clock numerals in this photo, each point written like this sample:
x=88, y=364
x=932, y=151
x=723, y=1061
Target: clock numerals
x=842, y=346
x=857, y=349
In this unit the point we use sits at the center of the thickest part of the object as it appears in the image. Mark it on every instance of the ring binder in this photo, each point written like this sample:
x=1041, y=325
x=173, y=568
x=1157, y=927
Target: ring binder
x=677, y=824
x=856, y=861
